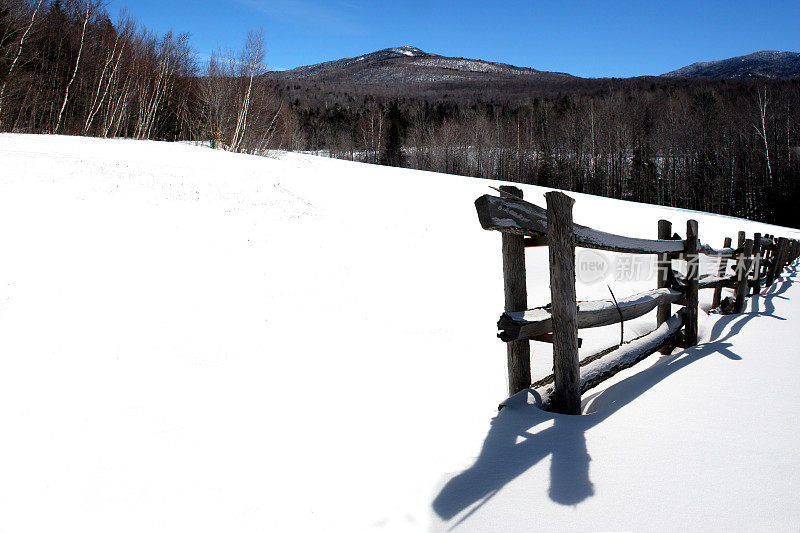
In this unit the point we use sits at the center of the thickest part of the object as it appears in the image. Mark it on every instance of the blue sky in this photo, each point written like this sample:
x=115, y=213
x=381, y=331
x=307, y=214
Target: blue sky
x=585, y=38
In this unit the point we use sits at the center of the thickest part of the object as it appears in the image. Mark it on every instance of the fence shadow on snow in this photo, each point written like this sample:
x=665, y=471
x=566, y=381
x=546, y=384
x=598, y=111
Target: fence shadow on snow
x=522, y=434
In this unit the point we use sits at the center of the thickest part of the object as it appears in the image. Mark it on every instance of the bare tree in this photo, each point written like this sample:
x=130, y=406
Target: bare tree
x=240, y=111
x=251, y=64
x=77, y=63
x=762, y=132
x=109, y=73
x=17, y=56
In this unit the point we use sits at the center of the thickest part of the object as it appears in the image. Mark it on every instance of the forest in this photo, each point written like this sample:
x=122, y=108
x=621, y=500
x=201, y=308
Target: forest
x=723, y=146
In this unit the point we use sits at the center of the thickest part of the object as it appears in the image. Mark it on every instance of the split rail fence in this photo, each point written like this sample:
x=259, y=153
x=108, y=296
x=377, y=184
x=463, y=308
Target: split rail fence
x=759, y=261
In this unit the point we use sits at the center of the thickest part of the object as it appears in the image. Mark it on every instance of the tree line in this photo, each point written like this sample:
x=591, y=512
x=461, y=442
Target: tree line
x=723, y=146
x=65, y=67
x=728, y=147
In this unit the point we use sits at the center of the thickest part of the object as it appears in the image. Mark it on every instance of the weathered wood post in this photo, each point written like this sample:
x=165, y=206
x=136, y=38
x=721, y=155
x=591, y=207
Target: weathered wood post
x=770, y=253
x=692, y=282
x=777, y=261
x=723, y=268
x=516, y=292
x=740, y=247
x=783, y=253
x=664, y=265
x=663, y=312
x=757, y=253
x=768, y=259
x=773, y=256
x=561, y=244
x=783, y=250
x=780, y=256
x=742, y=273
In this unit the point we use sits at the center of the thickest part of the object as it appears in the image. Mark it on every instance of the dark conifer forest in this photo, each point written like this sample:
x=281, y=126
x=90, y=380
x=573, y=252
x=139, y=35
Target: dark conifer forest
x=724, y=146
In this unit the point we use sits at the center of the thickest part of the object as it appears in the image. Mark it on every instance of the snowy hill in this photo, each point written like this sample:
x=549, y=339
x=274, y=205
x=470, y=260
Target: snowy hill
x=407, y=64
x=193, y=340
x=331, y=66
x=763, y=64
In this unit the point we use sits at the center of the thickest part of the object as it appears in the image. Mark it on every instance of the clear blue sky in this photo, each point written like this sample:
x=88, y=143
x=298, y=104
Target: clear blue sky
x=585, y=38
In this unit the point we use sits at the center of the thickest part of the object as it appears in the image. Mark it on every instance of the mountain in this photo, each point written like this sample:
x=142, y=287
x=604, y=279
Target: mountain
x=409, y=72
x=407, y=64
x=764, y=64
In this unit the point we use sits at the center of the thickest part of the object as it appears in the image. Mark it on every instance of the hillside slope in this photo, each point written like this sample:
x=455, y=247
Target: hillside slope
x=407, y=64
x=193, y=340
x=763, y=64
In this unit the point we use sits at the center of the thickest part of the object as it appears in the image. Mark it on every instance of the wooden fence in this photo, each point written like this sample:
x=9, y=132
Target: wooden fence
x=758, y=262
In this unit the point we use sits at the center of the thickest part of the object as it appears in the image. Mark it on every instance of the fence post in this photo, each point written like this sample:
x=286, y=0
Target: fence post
x=664, y=264
x=692, y=282
x=770, y=274
x=561, y=247
x=723, y=268
x=742, y=272
x=664, y=311
x=757, y=263
x=784, y=255
x=780, y=262
x=769, y=260
x=516, y=292
x=777, y=261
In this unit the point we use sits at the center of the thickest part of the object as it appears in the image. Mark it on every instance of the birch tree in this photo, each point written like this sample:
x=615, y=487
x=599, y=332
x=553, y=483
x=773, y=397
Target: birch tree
x=762, y=131
x=251, y=64
x=108, y=74
x=18, y=54
x=77, y=63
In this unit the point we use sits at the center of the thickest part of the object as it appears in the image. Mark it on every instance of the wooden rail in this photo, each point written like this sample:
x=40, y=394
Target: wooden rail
x=535, y=322
x=759, y=261
x=514, y=215
x=596, y=370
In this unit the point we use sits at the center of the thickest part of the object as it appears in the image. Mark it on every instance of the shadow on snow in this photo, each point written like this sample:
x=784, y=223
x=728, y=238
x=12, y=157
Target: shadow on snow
x=521, y=434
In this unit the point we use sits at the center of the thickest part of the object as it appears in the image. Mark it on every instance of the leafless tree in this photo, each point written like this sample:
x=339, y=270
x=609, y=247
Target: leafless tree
x=77, y=63
x=18, y=54
x=762, y=131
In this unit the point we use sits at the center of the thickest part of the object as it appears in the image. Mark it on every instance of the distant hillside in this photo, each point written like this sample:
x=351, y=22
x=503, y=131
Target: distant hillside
x=764, y=64
x=404, y=65
x=407, y=64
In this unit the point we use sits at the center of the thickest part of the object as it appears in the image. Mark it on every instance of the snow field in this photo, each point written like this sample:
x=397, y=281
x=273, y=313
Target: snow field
x=198, y=340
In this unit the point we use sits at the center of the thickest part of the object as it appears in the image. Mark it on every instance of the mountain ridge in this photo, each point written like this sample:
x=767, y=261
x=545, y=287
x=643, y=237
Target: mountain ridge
x=770, y=64
x=409, y=64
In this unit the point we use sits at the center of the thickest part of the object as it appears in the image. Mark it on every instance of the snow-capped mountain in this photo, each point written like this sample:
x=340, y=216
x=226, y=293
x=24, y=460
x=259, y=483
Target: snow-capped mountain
x=408, y=64
x=404, y=64
x=763, y=64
